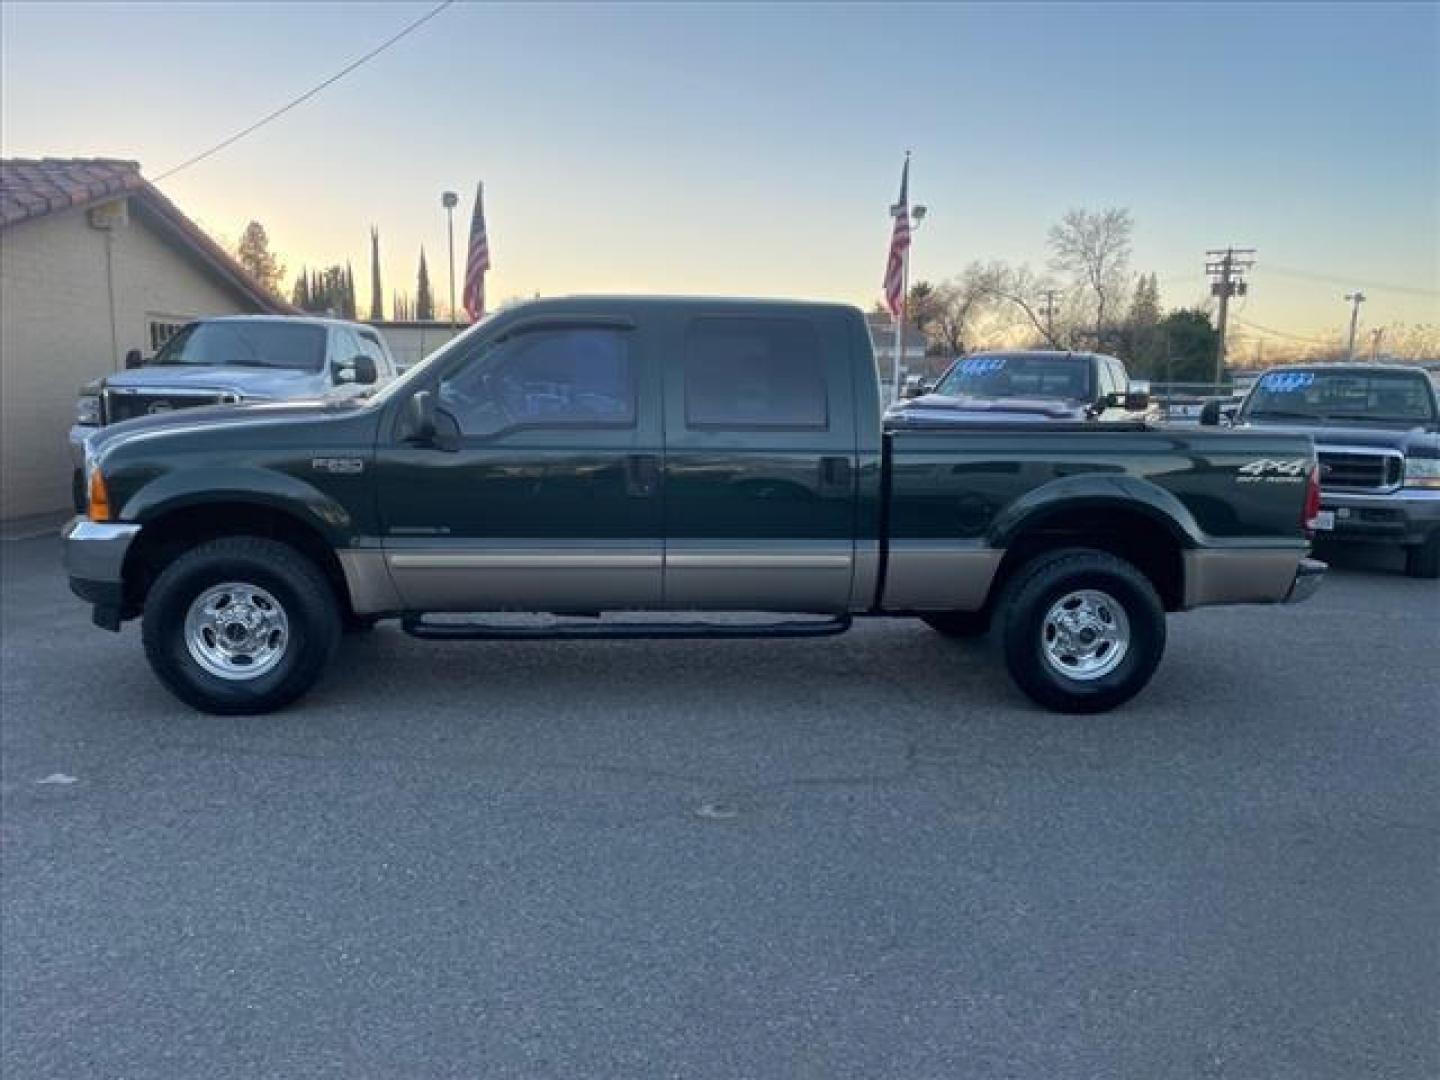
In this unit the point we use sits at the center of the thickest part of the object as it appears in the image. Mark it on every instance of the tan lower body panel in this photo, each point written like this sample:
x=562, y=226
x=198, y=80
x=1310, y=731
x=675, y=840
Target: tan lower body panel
x=539, y=578
x=925, y=575
x=759, y=575
x=1241, y=576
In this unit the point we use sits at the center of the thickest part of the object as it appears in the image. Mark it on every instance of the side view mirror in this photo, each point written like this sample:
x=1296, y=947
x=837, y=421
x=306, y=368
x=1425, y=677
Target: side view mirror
x=1137, y=400
x=133, y=359
x=358, y=369
x=1212, y=413
x=420, y=417
x=919, y=389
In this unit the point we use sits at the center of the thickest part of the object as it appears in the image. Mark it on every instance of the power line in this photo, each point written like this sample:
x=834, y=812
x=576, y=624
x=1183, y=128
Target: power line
x=1281, y=333
x=1377, y=286
x=308, y=93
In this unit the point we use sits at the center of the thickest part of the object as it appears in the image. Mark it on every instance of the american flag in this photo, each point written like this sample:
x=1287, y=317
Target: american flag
x=899, y=242
x=478, y=260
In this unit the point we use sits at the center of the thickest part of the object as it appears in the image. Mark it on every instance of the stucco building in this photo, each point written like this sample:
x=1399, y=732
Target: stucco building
x=94, y=261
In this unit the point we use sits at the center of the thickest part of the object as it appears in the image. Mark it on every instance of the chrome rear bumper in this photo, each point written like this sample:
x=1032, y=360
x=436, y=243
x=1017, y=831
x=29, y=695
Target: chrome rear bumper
x=1308, y=576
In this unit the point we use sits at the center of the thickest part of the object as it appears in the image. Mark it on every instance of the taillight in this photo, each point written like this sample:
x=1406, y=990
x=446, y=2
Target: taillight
x=1312, y=498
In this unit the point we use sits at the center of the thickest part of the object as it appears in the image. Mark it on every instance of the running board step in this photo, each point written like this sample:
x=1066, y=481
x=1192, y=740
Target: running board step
x=480, y=629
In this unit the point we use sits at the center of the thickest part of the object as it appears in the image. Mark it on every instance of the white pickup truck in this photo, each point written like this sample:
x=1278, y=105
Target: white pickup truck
x=233, y=360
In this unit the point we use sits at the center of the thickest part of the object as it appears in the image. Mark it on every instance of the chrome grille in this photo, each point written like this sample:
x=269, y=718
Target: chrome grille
x=1359, y=470
x=128, y=404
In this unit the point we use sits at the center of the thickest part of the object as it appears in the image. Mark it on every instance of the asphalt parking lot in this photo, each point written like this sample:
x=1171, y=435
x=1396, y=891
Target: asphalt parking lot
x=865, y=856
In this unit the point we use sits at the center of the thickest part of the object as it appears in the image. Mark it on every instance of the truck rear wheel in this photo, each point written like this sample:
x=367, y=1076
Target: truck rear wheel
x=1082, y=630
x=240, y=626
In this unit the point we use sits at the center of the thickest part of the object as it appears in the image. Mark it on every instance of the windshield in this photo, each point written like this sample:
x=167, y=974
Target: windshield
x=1019, y=377
x=294, y=346
x=1319, y=395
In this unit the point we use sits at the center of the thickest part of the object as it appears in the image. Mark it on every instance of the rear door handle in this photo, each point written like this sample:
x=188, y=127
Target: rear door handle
x=642, y=475
x=835, y=474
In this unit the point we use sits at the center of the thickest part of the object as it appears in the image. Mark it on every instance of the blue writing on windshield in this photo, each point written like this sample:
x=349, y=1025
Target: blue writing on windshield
x=1287, y=382
x=982, y=365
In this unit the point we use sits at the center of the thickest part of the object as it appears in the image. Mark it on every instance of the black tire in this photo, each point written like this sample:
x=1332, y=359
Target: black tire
x=1423, y=560
x=958, y=624
x=296, y=584
x=1042, y=583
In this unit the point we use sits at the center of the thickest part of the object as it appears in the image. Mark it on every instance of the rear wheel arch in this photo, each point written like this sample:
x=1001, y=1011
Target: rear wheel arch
x=1150, y=541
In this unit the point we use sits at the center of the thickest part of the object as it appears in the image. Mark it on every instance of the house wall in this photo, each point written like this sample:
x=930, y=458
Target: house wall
x=56, y=334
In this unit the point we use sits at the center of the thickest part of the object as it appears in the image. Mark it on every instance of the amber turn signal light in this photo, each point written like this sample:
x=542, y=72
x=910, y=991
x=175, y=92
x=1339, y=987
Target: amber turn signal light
x=99, y=497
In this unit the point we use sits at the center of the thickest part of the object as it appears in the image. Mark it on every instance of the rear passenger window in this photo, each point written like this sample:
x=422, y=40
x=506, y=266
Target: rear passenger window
x=754, y=373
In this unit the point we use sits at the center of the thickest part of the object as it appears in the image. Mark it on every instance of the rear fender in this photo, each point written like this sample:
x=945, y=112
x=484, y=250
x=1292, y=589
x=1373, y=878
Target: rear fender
x=1091, y=492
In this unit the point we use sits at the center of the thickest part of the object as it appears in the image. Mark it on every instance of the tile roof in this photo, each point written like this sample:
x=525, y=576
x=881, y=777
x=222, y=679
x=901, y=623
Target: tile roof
x=32, y=188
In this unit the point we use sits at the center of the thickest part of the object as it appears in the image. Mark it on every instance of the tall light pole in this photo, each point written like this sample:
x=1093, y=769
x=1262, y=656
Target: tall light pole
x=450, y=200
x=917, y=215
x=1375, y=336
x=1355, y=298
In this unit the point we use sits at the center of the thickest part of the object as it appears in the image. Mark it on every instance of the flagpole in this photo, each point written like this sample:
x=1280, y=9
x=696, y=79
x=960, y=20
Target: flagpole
x=900, y=319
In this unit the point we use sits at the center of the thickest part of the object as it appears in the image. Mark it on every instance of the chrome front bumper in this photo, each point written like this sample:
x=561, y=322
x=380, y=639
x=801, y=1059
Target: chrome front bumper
x=94, y=556
x=1308, y=576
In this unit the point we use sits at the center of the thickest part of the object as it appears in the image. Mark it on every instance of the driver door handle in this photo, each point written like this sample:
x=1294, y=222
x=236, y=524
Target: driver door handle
x=642, y=475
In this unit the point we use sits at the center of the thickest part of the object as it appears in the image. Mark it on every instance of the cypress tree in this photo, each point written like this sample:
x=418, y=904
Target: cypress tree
x=424, y=302
x=377, y=301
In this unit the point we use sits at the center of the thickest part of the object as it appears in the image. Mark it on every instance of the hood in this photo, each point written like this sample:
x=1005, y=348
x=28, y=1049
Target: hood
x=1358, y=435
x=219, y=418
x=246, y=381
x=959, y=408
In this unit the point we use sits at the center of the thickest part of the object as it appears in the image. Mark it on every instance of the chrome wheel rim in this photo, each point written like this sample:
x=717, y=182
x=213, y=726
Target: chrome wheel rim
x=236, y=631
x=1085, y=635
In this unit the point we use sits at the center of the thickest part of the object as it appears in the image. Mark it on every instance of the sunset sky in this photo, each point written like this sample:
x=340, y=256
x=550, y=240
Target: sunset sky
x=736, y=149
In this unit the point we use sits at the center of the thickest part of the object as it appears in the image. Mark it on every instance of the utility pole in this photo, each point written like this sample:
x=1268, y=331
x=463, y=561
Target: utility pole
x=1050, y=295
x=1375, y=336
x=1226, y=269
x=1355, y=298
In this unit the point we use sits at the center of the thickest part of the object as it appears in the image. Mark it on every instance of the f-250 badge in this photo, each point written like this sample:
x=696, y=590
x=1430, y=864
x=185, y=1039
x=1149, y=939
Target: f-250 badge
x=1269, y=471
x=344, y=466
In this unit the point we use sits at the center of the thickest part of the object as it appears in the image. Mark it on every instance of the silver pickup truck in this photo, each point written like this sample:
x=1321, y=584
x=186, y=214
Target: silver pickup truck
x=233, y=360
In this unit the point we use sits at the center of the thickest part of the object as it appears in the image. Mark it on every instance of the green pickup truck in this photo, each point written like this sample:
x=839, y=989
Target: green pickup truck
x=585, y=457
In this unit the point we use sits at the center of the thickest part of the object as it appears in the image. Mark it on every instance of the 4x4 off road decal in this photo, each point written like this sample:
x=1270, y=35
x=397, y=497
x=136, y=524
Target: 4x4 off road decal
x=1270, y=471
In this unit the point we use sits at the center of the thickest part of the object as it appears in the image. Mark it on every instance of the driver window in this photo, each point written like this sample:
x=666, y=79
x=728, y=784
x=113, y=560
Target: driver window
x=569, y=377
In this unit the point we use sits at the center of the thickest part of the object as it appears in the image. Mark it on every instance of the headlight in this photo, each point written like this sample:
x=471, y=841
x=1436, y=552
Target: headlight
x=1422, y=472
x=87, y=410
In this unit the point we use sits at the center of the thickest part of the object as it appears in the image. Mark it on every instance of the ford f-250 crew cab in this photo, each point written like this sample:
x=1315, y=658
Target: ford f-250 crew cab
x=587, y=456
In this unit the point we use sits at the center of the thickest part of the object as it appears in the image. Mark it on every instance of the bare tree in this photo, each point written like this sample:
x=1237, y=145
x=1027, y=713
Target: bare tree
x=1025, y=295
x=959, y=302
x=1093, y=248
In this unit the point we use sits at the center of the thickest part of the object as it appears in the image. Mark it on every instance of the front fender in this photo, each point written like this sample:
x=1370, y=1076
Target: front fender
x=1092, y=491
x=195, y=487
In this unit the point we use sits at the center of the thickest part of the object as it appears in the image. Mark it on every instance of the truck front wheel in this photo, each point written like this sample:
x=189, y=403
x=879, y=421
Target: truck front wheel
x=241, y=625
x=1082, y=631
